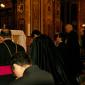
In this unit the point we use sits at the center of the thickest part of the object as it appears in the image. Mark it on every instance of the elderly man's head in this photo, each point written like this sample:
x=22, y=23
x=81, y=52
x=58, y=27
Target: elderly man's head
x=68, y=28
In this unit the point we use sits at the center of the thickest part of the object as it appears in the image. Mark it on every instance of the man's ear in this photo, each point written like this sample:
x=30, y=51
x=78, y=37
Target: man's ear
x=16, y=65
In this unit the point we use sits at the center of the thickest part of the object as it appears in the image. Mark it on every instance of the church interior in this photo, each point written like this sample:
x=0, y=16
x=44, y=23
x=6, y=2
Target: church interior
x=47, y=16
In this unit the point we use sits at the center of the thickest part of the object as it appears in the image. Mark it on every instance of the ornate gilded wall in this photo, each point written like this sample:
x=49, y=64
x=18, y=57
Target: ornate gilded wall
x=45, y=16
x=20, y=11
x=35, y=14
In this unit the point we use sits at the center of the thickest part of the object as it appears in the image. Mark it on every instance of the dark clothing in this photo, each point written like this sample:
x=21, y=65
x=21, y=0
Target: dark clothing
x=5, y=80
x=4, y=53
x=72, y=61
x=44, y=53
x=5, y=57
x=62, y=49
x=34, y=76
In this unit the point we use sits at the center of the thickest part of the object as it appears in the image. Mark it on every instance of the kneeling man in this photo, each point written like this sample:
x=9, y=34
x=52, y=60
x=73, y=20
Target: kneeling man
x=28, y=74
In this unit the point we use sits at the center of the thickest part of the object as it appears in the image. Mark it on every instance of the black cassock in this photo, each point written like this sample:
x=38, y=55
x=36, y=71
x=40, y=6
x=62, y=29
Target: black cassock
x=44, y=53
x=7, y=49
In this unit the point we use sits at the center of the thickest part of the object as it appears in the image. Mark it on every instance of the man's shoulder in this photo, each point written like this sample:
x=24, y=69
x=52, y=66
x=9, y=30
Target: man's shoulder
x=41, y=76
x=46, y=75
x=36, y=77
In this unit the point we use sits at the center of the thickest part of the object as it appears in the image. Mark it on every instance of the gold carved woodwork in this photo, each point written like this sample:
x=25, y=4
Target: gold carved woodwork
x=57, y=16
x=35, y=14
x=21, y=14
x=45, y=16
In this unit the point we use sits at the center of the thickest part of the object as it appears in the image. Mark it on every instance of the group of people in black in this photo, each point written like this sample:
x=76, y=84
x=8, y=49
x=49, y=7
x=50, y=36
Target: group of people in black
x=47, y=63
x=61, y=57
x=68, y=44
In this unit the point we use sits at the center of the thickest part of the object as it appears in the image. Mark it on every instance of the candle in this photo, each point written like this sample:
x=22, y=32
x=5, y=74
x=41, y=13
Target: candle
x=28, y=30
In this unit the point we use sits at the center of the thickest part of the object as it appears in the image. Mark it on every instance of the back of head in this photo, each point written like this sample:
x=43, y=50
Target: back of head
x=20, y=58
x=35, y=33
x=5, y=33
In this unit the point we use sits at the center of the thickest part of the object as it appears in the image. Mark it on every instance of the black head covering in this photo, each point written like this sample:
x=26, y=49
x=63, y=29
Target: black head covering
x=35, y=32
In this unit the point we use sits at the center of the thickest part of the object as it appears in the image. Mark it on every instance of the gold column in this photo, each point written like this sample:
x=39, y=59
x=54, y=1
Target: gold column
x=27, y=17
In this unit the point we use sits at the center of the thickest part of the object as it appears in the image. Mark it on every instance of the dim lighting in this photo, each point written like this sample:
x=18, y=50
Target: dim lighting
x=2, y=5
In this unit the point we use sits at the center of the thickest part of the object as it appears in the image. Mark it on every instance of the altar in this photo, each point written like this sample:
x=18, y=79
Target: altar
x=19, y=37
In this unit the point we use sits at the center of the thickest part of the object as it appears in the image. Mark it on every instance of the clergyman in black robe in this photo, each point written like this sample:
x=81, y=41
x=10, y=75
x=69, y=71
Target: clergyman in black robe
x=44, y=53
